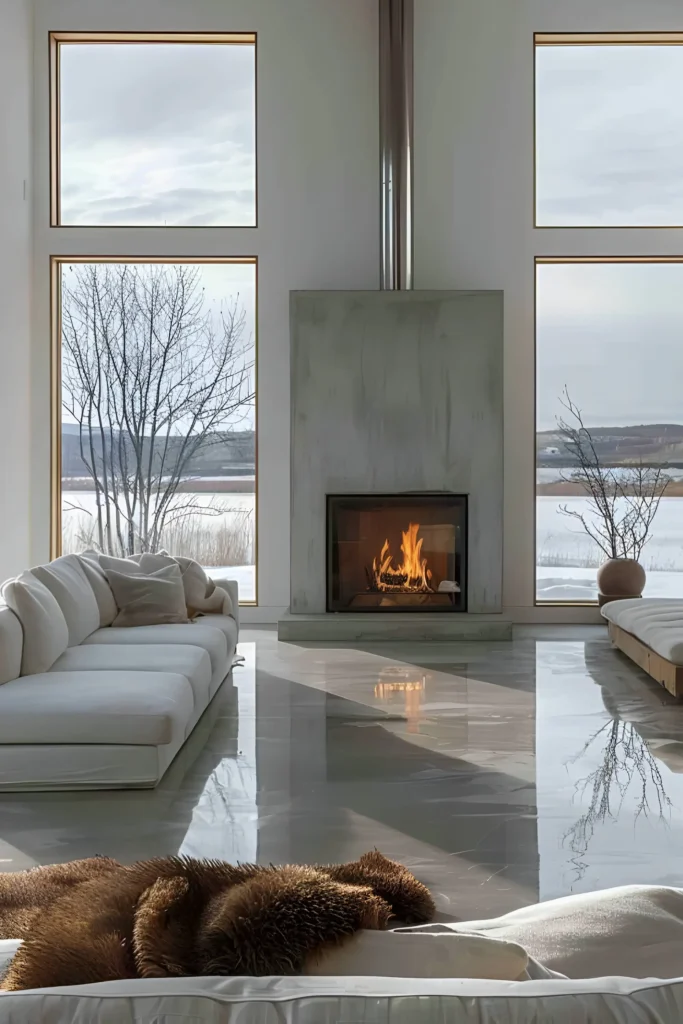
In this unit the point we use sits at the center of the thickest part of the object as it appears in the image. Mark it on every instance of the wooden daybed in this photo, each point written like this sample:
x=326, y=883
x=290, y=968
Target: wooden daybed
x=650, y=632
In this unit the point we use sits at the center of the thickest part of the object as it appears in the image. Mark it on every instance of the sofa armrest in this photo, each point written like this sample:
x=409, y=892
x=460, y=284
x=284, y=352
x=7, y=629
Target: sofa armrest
x=232, y=588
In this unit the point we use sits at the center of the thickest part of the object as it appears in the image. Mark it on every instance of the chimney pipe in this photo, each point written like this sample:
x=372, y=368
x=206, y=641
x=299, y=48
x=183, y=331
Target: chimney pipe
x=396, y=18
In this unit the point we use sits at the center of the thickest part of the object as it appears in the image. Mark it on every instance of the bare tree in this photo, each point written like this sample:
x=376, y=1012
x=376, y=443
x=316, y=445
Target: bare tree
x=622, y=504
x=151, y=376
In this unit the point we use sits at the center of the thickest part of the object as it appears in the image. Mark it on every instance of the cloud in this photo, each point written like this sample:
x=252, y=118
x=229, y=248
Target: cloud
x=609, y=135
x=151, y=132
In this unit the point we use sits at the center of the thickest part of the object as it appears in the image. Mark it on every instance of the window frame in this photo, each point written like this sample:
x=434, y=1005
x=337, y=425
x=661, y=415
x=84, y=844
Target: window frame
x=56, y=263
x=57, y=38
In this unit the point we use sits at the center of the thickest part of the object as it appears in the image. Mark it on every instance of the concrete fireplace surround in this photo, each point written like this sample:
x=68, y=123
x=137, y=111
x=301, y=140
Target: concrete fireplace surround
x=396, y=391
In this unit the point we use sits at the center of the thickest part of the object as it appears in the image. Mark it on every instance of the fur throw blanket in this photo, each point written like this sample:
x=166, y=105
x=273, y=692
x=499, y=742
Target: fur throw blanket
x=97, y=920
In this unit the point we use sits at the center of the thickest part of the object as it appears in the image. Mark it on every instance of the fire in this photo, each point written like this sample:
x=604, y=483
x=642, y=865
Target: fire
x=412, y=576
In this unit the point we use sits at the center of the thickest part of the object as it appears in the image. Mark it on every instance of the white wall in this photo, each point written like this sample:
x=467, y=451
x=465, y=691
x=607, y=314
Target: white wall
x=474, y=203
x=16, y=55
x=318, y=209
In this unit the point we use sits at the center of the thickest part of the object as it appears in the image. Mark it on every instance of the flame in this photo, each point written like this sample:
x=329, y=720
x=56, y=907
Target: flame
x=412, y=576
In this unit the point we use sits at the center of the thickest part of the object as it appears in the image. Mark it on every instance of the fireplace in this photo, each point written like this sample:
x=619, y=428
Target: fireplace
x=397, y=552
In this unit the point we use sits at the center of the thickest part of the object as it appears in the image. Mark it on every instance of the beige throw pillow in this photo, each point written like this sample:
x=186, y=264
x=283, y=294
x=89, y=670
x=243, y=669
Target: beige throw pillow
x=148, y=600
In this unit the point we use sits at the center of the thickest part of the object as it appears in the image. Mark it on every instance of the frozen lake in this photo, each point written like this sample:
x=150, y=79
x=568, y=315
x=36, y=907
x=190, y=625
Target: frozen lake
x=568, y=559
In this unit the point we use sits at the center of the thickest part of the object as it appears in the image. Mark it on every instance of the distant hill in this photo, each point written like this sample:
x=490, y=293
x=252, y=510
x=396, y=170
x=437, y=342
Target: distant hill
x=228, y=454
x=654, y=443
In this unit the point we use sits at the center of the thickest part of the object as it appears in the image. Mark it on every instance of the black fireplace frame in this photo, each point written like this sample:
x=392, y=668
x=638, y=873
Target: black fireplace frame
x=444, y=497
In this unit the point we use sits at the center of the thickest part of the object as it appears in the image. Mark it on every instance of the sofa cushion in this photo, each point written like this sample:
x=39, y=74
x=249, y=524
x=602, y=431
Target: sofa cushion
x=225, y=623
x=192, y=662
x=46, y=634
x=100, y=585
x=232, y=590
x=210, y=639
x=150, y=708
x=11, y=642
x=658, y=622
x=66, y=580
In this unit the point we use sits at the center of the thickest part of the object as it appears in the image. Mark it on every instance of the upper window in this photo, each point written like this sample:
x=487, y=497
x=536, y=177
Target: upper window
x=153, y=130
x=609, y=130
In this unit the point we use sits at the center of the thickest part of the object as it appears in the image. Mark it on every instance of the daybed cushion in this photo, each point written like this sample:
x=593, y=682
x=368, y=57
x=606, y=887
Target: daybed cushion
x=657, y=622
x=66, y=580
x=209, y=638
x=46, y=634
x=149, y=708
x=192, y=662
x=11, y=642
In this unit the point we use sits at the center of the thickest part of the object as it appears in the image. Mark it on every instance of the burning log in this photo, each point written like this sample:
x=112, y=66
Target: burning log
x=411, y=577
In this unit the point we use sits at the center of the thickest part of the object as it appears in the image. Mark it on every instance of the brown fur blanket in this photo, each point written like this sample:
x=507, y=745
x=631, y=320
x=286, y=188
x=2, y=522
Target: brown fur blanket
x=97, y=920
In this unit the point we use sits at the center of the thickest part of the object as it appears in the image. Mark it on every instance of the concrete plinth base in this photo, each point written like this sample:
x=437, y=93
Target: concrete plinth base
x=399, y=626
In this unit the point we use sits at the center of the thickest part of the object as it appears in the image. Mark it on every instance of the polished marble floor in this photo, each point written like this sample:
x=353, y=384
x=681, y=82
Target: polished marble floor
x=500, y=773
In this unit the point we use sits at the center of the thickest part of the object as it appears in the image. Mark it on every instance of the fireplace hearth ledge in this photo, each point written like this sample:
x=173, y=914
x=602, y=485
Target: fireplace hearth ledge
x=343, y=627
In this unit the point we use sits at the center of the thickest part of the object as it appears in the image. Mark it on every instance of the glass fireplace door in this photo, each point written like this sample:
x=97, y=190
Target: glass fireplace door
x=397, y=552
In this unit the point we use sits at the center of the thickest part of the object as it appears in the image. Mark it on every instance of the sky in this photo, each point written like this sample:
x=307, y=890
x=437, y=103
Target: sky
x=157, y=134
x=609, y=137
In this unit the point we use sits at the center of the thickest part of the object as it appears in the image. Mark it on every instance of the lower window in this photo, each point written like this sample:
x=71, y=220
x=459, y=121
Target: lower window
x=154, y=381
x=609, y=423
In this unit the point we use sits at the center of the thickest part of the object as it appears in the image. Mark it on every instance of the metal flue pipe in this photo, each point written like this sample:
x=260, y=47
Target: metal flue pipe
x=396, y=18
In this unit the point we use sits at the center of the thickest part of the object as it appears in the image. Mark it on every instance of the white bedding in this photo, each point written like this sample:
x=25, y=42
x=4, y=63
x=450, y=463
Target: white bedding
x=630, y=930
x=657, y=622
x=352, y=1000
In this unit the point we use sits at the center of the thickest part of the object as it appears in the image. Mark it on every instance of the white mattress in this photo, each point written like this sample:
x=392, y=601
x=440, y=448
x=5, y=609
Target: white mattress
x=658, y=622
x=357, y=1000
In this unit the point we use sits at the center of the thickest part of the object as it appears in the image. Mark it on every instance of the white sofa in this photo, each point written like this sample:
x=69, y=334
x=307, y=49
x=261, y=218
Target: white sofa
x=113, y=706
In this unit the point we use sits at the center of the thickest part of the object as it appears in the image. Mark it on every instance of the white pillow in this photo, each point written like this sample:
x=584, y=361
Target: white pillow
x=201, y=594
x=129, y=566
x=11, y=643
x=634, y=931
x=66, y=580
x=100, y=585
x=148, y=600
x=421, y=955
x=46, y=634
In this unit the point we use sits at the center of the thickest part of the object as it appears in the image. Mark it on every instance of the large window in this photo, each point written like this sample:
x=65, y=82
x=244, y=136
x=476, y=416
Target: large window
x=156, y=366
x=154, y=357
x=608, y=359
x=154, y=130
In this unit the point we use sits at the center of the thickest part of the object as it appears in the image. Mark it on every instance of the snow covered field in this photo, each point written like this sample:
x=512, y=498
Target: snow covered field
x=567, y=559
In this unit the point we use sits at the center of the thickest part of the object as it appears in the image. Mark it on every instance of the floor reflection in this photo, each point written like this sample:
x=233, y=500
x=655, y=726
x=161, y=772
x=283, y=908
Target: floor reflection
x=500, y=773
x=610, y=795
